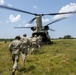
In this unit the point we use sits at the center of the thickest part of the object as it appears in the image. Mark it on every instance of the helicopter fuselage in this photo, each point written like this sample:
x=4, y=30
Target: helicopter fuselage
x=41, y=30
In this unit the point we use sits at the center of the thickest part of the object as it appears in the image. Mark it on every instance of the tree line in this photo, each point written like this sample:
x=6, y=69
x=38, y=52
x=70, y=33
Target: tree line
x=64, y=37
x=67, y=37
x=3, y=39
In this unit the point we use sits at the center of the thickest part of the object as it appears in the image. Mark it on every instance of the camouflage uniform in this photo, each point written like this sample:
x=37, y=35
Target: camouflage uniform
x=14, y=48
x=30, y=41
x=34, y=43
x=39, y=41
x=24, y=47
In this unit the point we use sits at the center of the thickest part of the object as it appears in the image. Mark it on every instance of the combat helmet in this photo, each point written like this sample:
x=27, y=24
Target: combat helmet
x=18, y=37
x=24, y=34
x=35, y=35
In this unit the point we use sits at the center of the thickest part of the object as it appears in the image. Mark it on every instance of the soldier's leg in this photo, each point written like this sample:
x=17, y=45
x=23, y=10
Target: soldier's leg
x=13, y=73
x=32, y=50
x=15, y=65
x=24, y=57
x=13, y=58
x=23, y=54
x=39, y=45
x=36, y=47
x=28, y=48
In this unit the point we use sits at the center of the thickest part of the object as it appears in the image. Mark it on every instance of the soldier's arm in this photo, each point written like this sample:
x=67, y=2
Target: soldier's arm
x=20, y=46
x=37, y=40
x=10, y=47
x=28, y=41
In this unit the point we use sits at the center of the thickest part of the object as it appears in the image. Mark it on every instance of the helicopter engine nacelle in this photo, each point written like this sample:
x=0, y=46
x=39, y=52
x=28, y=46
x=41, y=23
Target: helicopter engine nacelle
x=33, y=28
x=46, y=28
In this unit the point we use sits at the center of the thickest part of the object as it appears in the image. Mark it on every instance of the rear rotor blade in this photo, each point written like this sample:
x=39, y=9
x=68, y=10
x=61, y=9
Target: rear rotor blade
x=32, y=20
x=14, y=9
x=60, y=13
x=55, y=21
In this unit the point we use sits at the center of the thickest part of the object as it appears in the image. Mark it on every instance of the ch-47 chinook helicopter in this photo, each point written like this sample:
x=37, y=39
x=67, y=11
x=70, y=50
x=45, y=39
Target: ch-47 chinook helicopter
x=39, y=29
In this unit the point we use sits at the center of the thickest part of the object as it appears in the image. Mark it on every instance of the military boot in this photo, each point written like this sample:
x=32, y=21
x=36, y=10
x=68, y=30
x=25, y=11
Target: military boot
x=13, y=73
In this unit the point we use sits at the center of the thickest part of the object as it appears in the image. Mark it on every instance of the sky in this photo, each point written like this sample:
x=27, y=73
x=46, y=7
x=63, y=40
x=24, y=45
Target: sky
x=10, y=19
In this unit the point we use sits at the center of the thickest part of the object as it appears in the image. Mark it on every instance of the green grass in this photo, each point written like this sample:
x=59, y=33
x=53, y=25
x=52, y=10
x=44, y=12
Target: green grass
x=56, y=59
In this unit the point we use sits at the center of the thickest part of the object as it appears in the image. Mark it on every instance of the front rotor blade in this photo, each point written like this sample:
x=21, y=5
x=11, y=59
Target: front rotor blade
x=22, y=27
x=55, y=21
x=32, y=20
x=14, y=9
x=60, y=13
x=51, y=29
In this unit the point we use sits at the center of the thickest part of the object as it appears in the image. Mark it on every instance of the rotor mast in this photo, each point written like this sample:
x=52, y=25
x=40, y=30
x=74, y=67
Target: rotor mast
x=39, y=22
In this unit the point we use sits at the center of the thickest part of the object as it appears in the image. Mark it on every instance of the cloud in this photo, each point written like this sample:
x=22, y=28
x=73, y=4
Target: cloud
x=2, y=2
x=14, y=19
x=35, y=7
x=0, y=22
x=7, y=21
x=68, y=8
x=19, y=25
x=45, y=20
x=26, y=25
x=10, y=5
x=24, y=22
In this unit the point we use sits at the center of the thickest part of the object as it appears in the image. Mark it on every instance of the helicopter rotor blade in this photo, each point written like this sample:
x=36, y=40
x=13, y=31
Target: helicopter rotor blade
x=55, y=21
x=32, y=20
x=21, y=27
x=60, y=13
x=51, y=29
x=14, y=9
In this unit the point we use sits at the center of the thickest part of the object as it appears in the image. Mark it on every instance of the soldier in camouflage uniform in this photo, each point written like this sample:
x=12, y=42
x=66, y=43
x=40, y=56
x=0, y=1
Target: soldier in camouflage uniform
x=30, y=41
x=34, y=43
x=24, y=47
x=14, y=48
x=39, y=41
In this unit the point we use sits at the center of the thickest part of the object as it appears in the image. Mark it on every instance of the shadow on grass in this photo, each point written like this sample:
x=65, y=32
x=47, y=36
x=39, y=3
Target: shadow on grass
x=24, y=69
x=38, y=52
x=0, y=73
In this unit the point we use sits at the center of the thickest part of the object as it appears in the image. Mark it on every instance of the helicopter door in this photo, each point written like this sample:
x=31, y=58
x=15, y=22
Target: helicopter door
x=45, y=39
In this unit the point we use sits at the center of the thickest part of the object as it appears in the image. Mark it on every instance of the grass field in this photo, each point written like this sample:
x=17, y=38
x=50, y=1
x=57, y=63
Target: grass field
x=56, y=59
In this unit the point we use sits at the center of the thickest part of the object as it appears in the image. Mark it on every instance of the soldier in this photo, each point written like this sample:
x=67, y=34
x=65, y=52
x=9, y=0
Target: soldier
x=24, y=47
x=14, y=48
x=39, y=41
x=30, y=41
x=34, y=43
